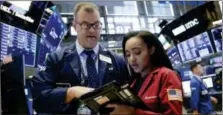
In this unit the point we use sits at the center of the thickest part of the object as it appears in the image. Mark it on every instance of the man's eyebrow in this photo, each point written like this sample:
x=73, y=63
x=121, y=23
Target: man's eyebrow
x=90, y=23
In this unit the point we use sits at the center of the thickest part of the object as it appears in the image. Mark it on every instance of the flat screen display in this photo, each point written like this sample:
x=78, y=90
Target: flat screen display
x=52, y=34
x=197, y=46
x=217, y=36
x=18, y=42
x=186, y=88
x=185, y=73
x=19, y=23
x=208, y=82
x=174, y=56
x=44, y=50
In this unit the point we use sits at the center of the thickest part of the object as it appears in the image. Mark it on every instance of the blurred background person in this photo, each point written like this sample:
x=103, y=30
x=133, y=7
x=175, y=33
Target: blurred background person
x=200, y=99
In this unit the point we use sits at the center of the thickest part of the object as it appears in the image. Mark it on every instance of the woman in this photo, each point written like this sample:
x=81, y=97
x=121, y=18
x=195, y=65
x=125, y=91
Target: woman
x=155, y=82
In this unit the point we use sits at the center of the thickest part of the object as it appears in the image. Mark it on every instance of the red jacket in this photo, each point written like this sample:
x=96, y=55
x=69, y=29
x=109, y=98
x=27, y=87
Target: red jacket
x=161, y=92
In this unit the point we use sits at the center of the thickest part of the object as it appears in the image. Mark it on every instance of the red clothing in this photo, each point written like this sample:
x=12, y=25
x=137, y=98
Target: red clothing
x=161, y=92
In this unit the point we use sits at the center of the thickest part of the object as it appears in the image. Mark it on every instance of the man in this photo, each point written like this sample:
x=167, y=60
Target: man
x=200, y=99
x=83, y=66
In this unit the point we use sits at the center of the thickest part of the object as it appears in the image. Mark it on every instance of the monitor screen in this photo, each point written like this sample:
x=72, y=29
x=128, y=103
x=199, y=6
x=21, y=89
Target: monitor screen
x=186, y=88
x=44, y=50
x=197, y=46
x=174, y=56
x=52, y=34
x=54, y=30
x=208, y=81
x=22, y=14
x=17, y=41
x=217, y=36
x=185, y=73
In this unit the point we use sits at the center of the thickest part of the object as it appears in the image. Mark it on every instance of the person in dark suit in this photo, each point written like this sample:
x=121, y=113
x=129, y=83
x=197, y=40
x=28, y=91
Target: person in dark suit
x=77, y=69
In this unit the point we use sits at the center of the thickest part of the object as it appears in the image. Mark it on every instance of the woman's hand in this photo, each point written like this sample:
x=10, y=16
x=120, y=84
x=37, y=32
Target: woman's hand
x=121, y=109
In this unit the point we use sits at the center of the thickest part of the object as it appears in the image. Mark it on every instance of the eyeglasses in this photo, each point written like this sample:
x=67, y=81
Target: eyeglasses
x=85, y=25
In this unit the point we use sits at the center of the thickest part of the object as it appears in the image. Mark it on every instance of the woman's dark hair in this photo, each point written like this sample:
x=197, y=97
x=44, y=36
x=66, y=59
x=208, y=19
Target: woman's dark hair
x=159, y=57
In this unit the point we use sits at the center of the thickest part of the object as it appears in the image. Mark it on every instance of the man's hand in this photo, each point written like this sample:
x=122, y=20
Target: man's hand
x=7, y=59
x=195, y=112
x=213, y=99
x=76, y=92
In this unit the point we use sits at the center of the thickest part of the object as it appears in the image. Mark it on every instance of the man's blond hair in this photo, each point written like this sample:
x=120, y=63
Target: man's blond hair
x=87, y=6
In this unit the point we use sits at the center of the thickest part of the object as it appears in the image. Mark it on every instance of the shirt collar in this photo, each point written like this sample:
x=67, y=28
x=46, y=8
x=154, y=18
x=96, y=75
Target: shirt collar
x=80, y=49
x=198, y=77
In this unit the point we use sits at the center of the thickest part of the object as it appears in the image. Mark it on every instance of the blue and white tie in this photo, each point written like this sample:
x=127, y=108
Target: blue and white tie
x=92, y=78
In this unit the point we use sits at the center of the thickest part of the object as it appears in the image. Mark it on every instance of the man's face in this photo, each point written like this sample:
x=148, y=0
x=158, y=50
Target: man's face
x=199, y=70
x=87, y=37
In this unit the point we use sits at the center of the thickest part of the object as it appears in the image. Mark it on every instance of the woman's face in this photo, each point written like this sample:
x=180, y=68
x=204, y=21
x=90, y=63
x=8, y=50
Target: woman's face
x=138, y=55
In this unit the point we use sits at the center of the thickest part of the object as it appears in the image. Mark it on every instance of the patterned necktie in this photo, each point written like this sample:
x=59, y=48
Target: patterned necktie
x=92, y=79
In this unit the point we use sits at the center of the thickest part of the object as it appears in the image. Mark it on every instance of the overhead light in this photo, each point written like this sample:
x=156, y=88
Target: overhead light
x=111, y=42
x=124, y=9
x=21, y=4
x=64, y=19
x=72, y=31
x=111, y=45
x=166, y=45
x=66, y=13
x=157, y=29
x=162, y=39
x=218, y=22
x=171, y=9
x=152, y=20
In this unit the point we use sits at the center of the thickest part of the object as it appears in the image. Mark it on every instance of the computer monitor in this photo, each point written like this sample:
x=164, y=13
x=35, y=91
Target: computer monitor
x=174, y=56
x=197, y=46
x=44, y=50
x=52, y=34
x=55, y=30
x=12, y=87
x=185, y=73
x=209, y=82
x=186, y=88
x=16, y=41
x=18, y=25
x=217, y=36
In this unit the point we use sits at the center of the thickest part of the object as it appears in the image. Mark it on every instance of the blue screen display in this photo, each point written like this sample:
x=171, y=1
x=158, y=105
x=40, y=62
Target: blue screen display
x=174, y=56
x=16, y=41
x=44, y=49
x=52, y=34
x=185, y=73
x=216, y=33
x=197, y=46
